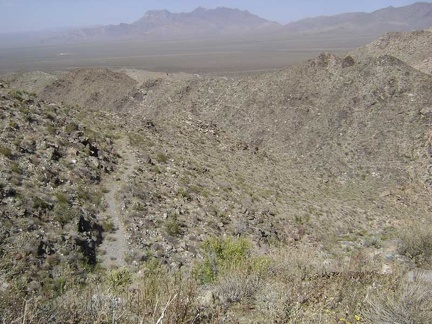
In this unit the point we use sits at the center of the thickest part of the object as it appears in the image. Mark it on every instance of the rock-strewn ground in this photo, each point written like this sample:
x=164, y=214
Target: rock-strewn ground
x=51, y=169
x=413, y=48
x=276, y=195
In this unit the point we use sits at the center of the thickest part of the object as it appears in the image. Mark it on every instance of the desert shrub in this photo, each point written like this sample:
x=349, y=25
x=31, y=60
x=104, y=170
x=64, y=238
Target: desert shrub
x=62, y=198
x=108, y=226
x=161, y=158
x=71, y=127
x=38, y=203
x=64, y=214
x=172, y=226
x=13, y=124
x=219, y=255
x=6, y=152
x=89, y=195
x=119, y=279
x=14, y=167
x=51, y=129
x=416, y=243
x=410, y=303
x=239, y=285
x=16, y=94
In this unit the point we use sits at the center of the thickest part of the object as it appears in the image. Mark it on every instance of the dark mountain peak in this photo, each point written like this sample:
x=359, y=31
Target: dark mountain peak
x=152, y=13
x=200, y=21
x=222, y=21
x=200, y=10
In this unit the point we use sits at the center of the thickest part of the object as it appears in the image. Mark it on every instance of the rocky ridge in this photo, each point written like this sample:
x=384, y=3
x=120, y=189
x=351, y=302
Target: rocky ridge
x=412, y=48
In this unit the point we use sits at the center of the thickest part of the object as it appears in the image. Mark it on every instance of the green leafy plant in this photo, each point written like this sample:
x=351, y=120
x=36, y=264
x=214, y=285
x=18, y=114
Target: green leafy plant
x=118, y=279
x=220, y=254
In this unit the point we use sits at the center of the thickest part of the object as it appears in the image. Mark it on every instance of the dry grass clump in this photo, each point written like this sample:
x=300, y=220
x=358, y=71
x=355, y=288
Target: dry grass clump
x=410, y=303
x=291, y=284
x=416, y=243
x=150, y=296
x=233, y=281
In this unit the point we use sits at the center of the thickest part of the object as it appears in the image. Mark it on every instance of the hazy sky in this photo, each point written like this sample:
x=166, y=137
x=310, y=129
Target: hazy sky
x=25, y=15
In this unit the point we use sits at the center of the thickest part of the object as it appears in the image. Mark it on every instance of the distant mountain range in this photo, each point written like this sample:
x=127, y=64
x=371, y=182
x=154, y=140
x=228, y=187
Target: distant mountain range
x=162, y=24
x=165, y=24
x=415, y=16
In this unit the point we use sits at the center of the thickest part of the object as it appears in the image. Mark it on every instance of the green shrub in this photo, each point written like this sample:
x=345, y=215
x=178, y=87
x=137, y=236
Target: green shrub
x=108, y=226
x=5, y=151
x=172, y=227
x=221, y=254
x=62, y=198
x=161, y=158
x=71, y=127
x=16, y=94
x=93, y=195
x=64, y=214
x=39, y=203
x=118, y=279
x=15, y=167
x=13, y=124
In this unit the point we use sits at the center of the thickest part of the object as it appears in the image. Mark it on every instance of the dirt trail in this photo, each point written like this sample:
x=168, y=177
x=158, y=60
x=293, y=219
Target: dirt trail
x=115, y=245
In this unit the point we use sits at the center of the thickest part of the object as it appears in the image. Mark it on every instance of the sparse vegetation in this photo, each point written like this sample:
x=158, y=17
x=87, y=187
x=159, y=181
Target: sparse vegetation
x=416, y=244
x=5, y=151
x=220, y=256
x=271, y=198
x=411, y=302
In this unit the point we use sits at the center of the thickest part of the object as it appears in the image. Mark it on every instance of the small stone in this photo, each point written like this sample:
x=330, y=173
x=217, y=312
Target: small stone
x=207, y=299
x=386, y=270
x=34, y=286
x=385, y=194
x=389, y=256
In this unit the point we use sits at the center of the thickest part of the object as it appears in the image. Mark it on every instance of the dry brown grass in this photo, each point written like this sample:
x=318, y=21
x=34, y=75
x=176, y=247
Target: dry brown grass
x=416, y=243
x=410, y=303
x=151, y=295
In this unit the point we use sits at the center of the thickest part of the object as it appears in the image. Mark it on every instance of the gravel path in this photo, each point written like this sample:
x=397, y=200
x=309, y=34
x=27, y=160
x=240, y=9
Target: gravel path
x=116, y=244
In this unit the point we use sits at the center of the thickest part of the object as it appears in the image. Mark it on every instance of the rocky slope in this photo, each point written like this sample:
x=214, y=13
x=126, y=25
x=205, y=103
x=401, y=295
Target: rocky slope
x=51, y=168
x=96, y=88
x=412, y=48
x=349, y=125
x=304, y=185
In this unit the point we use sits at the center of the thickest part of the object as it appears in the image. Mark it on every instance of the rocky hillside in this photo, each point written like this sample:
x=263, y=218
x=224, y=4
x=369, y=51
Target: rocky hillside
x=220, y=199
x=95, y=88
x=346, y=123
x=337, y=118
x=52, y=165
x=412, y=48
